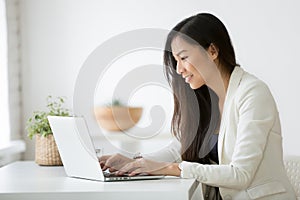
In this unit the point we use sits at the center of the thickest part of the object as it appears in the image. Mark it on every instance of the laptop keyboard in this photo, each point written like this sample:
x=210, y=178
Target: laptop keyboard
x=112, y=174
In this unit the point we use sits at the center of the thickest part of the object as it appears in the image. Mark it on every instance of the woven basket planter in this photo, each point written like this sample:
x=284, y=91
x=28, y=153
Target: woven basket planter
x=46, y=152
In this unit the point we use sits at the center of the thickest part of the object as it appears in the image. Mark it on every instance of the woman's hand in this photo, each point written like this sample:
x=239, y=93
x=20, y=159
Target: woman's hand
x=114, y=162
x=150, y=167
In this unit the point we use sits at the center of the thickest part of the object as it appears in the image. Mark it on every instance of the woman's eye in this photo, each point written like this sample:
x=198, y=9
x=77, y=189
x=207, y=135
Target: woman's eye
x=183, y=58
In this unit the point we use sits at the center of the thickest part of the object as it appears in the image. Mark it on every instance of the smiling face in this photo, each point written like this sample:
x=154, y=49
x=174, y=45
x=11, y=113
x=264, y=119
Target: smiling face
x=191, y=61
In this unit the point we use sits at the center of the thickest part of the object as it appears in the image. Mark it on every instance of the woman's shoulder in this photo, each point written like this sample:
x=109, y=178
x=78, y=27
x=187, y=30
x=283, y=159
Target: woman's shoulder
x=251, y=86
x=251, y=83
x=254, y=94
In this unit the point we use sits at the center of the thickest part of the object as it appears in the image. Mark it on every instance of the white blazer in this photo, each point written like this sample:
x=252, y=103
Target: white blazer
x=249, y=146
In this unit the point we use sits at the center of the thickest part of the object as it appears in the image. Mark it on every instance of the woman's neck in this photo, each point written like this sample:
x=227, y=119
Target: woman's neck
x=219, y=84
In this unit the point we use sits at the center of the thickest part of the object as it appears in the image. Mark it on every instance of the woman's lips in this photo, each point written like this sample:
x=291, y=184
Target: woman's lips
x=188, y=78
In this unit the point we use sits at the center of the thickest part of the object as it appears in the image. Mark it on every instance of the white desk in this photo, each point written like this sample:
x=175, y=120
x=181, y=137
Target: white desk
x=26, y=180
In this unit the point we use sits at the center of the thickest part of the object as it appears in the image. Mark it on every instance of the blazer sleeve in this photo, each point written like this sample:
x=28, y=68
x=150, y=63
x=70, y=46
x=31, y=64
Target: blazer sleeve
x=257, y=112
x=170, y=153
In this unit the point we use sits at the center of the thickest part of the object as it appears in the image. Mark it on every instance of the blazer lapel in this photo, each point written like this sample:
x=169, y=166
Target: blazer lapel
x=234, y=82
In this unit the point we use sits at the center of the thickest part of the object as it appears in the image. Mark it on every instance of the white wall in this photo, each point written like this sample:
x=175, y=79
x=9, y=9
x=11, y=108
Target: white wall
x=58, y=35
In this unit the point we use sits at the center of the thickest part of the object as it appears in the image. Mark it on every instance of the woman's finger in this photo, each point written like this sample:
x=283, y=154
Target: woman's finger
x=104, y=158
x=104, y=167
x=128, y=168
x=111, y=169
x=138, y=171
x=102, y=164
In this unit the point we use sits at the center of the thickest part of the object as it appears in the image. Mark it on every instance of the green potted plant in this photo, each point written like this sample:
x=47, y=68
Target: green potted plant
x=46, y=152
x=117, y=116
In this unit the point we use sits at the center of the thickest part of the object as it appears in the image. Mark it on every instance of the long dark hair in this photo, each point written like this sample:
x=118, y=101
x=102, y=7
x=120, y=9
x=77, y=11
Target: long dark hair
x=196, y=112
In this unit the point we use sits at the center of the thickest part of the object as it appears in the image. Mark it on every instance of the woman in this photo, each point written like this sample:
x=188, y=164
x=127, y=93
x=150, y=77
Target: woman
x=225, y=119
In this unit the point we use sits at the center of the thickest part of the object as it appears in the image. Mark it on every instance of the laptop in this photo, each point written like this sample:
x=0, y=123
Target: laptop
x=78, y=153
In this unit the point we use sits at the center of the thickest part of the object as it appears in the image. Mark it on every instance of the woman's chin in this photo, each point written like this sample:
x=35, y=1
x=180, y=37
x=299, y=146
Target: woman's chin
x=195, y=86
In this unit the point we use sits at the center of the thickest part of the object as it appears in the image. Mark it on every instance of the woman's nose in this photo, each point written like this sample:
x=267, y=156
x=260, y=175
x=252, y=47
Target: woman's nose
x=179, y=68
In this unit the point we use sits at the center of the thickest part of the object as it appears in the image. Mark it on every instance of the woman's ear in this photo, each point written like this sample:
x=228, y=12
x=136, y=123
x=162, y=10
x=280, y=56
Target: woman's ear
x=213, y=51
